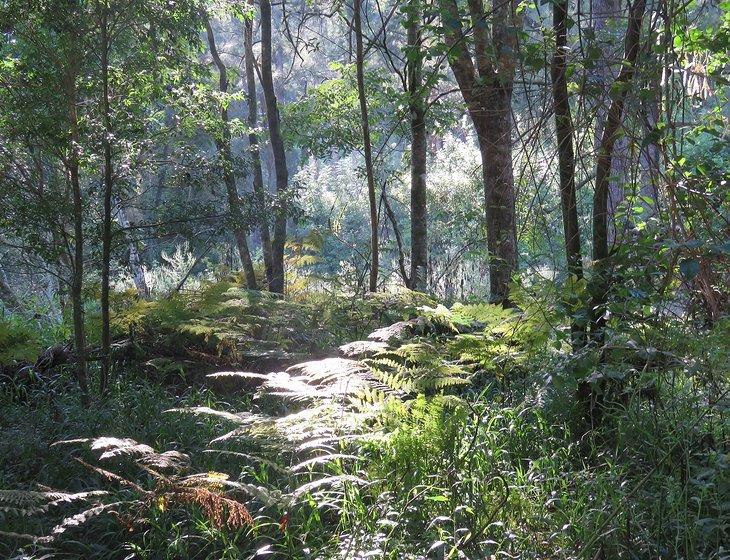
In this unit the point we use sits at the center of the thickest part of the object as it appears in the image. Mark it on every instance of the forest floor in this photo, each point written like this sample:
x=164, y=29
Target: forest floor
x=245, y=426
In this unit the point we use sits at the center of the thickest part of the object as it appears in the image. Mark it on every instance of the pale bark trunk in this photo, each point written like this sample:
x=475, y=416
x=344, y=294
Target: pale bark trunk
x=7, y=296
x=223, y=145
x=367, y=147
x=253, y=142
x=277, y=148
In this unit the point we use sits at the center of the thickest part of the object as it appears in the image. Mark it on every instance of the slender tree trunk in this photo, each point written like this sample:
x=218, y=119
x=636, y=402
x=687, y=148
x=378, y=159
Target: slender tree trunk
x=566, y=156
x=77, y=280
x=603, y=12
x=277, y=149
x=223, y=145
x=564, y=133
x=106, y=236
x=253, y=142
x=369, y=171
x=601, y=282
x=419, y=215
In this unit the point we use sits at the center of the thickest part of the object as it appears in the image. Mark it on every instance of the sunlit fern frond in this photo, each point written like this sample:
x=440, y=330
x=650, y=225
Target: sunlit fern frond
x=28, y=502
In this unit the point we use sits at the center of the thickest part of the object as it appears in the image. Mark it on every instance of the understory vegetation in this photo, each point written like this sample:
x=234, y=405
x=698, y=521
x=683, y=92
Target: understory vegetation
x=450, y=432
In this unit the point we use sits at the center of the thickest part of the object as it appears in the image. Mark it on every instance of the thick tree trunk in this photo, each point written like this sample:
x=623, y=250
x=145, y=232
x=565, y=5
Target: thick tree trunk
x=223, y=146
x=106, y=236
x=253, y=142
x=601, y=282
x=369, y=171
x=486, y=84
x=419, y=215
x=495, y=146
x=277, y=148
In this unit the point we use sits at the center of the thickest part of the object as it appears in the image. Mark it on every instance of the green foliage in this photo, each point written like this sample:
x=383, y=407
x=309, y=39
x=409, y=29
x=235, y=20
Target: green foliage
x=19, y=341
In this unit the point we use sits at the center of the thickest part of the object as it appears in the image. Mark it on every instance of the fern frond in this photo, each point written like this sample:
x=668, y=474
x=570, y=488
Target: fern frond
x=83, y=517
x=112, y=447
x=322, y=460
x=327, y=482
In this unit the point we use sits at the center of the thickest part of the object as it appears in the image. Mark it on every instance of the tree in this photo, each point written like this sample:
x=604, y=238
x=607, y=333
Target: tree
x=254, y=150
x=277, y=148
x=367, y=146
x=486, y=80
x=566, y=155
x=223, y=145
x=102, y=12
x=601, y=282
x=417, y=109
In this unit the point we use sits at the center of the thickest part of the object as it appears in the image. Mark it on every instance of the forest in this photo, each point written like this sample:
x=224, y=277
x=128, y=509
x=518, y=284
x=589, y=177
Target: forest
x=398, y=279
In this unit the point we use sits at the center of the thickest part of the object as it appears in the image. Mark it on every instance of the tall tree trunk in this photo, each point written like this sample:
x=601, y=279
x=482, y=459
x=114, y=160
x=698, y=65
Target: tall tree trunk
x=106, y=236
x=486, y=84
x=77, y=280
x=564, y=133
x=601, y=282
x=419, y=215
x=369, y=171
x=223, y=145
x=566, y=156
x=253, y=142
x=603, y=12
x=277, y=149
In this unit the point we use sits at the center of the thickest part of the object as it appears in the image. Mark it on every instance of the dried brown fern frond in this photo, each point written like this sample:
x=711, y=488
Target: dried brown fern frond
x=219, y=509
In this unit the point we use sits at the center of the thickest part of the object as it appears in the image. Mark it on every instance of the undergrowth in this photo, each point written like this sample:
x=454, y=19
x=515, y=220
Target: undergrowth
x=457, y=436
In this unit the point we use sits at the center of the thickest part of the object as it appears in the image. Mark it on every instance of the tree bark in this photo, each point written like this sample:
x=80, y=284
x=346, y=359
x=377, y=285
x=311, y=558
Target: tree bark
x=367, y=147
x=602, y=12
x=566, y=156
x=277, y=148
x=603, y=166
x=223, y=146
x=77, y=280
x=253, y=142
x=564, y=134
x=419, y=212
x=106, y=236
x=486, y=84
